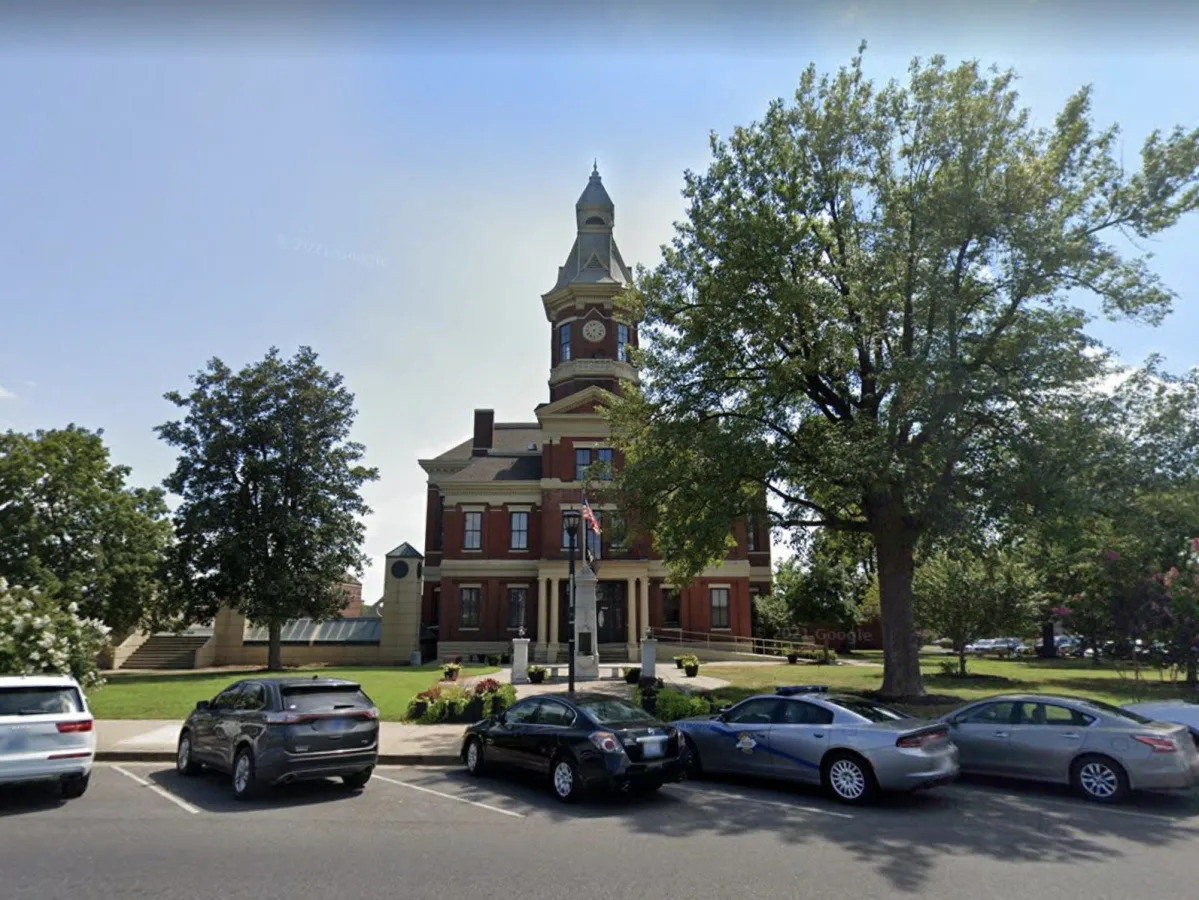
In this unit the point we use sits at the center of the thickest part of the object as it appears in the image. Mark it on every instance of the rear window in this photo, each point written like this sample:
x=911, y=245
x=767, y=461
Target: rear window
x=303, y=698
x=873, y=712
x=1114, y=711
x=39, y=701
x=607, y=711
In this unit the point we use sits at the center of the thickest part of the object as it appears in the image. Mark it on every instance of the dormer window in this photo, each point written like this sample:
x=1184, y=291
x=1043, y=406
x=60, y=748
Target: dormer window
x=564, y=342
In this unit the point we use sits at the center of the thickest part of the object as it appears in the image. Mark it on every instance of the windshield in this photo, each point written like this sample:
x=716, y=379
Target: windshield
x=1115, y=711
x=874, y=712
x=39, y=701
x=613, y=709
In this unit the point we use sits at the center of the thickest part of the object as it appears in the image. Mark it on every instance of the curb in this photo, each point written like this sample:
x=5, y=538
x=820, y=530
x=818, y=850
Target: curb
x=385, y=759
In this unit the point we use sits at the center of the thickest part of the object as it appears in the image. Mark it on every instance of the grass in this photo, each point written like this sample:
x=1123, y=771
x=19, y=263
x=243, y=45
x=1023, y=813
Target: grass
x=1072, y=677
x=174, y=696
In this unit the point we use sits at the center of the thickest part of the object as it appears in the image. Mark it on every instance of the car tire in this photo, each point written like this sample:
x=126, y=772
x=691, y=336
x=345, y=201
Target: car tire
x=74, y=787
x=849, y=779
x=692, y=764
x=358, y=780
x=564, y=779
x=1099, y=778
x=244, y=778
x=474, y=757
x=185, y=762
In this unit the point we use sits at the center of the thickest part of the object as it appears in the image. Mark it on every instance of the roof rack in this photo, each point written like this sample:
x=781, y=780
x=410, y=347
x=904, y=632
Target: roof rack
x=789, y=690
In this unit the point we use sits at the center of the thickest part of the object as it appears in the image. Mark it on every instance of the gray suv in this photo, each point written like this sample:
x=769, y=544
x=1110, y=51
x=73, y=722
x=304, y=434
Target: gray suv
x=270, y=731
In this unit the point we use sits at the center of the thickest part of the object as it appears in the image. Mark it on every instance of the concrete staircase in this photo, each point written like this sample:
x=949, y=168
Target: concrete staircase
x=614, y=654
x=166, y=651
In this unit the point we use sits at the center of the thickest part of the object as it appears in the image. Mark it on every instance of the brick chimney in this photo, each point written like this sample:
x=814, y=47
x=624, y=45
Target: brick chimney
x=484, y=431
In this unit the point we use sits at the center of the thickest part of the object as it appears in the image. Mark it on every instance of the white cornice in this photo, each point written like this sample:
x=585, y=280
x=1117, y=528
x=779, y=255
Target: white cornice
x=593, y=367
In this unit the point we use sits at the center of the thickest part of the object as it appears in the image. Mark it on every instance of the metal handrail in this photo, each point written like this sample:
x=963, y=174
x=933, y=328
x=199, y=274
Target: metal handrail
x=731, y=642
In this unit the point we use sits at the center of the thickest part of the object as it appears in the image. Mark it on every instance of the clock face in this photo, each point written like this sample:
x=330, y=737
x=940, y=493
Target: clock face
x=594, y=331
x=399, y=568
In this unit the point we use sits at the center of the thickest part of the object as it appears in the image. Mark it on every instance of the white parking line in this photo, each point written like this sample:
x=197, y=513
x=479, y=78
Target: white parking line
x=417, y=787
x=778, y=803
x=182, y=804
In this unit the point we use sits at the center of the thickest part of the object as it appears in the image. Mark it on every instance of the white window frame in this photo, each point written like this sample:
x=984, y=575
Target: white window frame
x=512, y=532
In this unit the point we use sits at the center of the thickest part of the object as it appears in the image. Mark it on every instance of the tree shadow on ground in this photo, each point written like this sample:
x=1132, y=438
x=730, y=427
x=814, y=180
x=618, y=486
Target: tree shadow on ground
x=212, y=792
x=26, y=799
x=902, y=838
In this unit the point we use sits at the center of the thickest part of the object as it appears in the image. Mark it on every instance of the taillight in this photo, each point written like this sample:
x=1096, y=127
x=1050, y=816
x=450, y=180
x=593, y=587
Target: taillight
x=73, y=727
x=1156, y=744
x=916, y=741
x=278, y=718
x=606, y=742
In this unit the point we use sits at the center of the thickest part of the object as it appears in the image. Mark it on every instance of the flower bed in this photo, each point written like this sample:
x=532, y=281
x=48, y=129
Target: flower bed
x=456, y=703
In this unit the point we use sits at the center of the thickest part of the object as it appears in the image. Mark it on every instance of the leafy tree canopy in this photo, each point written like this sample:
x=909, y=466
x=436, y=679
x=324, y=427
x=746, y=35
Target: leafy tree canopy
x=869, y=307
x=270, y=518
x=71, y=527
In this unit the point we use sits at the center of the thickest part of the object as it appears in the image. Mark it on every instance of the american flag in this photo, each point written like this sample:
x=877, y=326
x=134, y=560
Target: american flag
x=589, y=517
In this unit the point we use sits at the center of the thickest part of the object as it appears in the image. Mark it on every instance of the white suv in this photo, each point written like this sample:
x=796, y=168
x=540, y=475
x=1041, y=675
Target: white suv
x=47, y=732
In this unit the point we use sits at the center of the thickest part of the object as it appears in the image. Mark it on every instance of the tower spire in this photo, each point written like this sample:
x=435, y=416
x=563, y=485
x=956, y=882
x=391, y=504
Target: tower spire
x=595, y=167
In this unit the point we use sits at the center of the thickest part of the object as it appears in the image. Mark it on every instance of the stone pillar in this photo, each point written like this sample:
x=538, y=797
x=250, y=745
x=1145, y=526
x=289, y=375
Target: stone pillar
x=649, y=657
x=228, y=637
x=644, y=606
x=520, y=660
x=551, y=655
x=399, y=633
x=542, y=613
x=631, y=617
x=586, y=626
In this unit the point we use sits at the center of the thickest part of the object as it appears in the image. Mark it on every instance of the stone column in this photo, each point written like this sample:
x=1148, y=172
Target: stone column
x=631, y=616
x=520, y=660
x=552, y=650
x=586, y=626
x=649, y=657
x=542, y=613
x=644, y=605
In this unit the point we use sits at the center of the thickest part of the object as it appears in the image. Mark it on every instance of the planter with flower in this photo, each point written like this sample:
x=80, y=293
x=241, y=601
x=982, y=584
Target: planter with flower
x=536, y=674
x=691, y=666
x=450, y=671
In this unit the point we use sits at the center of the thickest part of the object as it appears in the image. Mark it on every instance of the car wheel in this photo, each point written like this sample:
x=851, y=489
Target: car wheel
x=692, y=762
x=475, y=762
x=74, y=787
x=1099, y=778
x=185, y=763
x=564, y=776
x=358, y=780
x=245, y=784
x=849, y=778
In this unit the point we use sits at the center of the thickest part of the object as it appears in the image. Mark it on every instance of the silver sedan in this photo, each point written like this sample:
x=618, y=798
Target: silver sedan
x=1102, y=751
x=851, y=746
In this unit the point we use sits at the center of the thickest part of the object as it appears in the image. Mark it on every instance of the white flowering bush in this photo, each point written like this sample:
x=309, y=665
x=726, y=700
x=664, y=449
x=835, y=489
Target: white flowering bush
x=38, y=635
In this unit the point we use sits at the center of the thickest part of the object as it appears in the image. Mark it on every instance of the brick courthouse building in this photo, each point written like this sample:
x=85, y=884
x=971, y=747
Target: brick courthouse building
x=495, y=546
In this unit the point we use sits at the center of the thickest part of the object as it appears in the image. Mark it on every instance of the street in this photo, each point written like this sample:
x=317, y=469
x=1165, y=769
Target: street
x=417, y=833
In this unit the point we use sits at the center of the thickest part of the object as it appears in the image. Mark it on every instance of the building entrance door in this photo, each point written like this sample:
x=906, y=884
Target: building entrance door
x=610, y=609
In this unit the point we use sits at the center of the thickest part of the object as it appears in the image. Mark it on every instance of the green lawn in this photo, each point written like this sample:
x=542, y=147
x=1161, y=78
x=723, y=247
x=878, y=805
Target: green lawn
x=1077, y=677
x=173, y=696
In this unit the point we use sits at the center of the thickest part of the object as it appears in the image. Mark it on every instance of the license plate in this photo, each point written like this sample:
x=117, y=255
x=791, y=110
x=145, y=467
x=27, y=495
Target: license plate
x=653, y=749
x=338, y=725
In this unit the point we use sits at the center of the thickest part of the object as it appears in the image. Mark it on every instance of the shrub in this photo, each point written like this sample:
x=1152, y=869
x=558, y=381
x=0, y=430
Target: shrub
x=38, y=635
x=671, y=705
x=457, y=703
x=815, y=654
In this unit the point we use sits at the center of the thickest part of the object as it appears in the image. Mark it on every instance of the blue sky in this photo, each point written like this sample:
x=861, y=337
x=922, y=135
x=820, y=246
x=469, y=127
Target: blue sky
x=398, y=191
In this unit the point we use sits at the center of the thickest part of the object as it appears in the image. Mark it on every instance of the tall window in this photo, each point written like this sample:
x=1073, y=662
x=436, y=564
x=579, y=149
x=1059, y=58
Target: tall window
x=564, y=342
x=582, y=461
x=616, y=532
x=622, y=343
x=439, y=535
x=672, y=609
x=720, y=607
x=468, y=603
x=436, y=606
x=518, y=598
x=472, y=538
x=751, y=534
x=518, y=532
x=604, y=457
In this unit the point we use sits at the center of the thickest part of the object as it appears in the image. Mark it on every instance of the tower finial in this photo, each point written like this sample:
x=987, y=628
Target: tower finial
x=595, y=168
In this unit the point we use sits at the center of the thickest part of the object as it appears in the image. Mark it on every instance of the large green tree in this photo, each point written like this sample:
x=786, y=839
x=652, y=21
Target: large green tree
x=71, y=527
x=870, y=300
x=270, y=518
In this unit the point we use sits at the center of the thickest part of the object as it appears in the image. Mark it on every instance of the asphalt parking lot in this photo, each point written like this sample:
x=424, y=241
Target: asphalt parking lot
x=143, y=831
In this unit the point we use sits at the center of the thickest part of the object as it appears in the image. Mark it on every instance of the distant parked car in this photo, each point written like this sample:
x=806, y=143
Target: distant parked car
x=269, y=731
x=1180, y=712
x=580, y=743
x=1102, y=751
x=852, y=746
x=47, y=733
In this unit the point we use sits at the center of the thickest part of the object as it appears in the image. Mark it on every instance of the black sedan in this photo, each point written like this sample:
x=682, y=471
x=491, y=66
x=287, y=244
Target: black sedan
x=268, y=731
x=580, y=742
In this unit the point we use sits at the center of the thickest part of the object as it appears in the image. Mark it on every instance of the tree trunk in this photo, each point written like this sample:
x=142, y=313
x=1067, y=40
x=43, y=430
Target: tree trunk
x=1048, y=640
x=274, y=648
x=962, y=662
x=1192, y=671
x=896, y=549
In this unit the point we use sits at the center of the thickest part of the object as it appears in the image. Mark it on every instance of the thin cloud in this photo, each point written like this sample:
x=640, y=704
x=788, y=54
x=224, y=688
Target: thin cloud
x=6, y=394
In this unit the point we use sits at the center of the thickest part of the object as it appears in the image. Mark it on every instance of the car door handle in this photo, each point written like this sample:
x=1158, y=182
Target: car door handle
x=1000, y=734
x=818, y=734
x=1072, y=737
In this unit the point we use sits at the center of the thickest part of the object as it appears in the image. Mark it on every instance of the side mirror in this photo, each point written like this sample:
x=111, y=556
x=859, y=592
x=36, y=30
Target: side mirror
x=202, y=705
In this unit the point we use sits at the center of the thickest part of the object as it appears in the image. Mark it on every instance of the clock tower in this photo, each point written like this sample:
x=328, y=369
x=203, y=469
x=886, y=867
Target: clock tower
x=591, y=329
